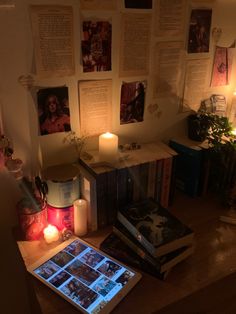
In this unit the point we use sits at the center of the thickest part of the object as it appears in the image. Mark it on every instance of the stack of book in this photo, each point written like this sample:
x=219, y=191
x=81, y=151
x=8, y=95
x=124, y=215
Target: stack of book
x=150, y=237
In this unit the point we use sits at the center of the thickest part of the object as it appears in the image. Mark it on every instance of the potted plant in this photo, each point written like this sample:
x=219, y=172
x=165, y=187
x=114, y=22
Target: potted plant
x=221, y=152
x=198, y=125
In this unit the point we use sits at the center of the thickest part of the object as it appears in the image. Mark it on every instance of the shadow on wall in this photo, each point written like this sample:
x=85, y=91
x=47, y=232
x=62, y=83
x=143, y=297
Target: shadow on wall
x=176, y=129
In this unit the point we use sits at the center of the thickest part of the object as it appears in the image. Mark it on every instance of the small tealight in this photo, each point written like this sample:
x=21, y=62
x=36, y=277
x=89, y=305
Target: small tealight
x=51, y=234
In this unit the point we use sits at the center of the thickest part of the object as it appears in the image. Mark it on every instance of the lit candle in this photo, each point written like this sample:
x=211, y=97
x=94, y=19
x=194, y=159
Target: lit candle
x=233, y=106
x=51, y=234
x=108, y=147
x=234, y=98
x=80, y=217
x=233, y=132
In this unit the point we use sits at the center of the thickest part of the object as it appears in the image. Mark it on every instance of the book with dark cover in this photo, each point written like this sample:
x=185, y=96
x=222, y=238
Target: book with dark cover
x=155, y=227
x=162, y=263
x=165, y=183
x=115, y=247
x=188, y=167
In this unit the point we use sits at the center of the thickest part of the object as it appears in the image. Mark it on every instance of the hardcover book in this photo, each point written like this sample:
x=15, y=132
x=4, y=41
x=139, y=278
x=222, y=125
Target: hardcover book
x=115, y=247
x=188, y=167
x=161, y=263
x=155, y=227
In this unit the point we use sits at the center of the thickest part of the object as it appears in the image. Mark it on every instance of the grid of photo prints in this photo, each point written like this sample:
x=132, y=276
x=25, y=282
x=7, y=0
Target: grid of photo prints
x=84, y=276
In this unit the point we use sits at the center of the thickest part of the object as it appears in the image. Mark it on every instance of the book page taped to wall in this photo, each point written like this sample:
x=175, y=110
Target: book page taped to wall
x=52, y=28
x=95, y=106
x=167, y=59
x=195, y=83
x=170, y=19
x=135, y=42
x=7, y=4
x=98, y=5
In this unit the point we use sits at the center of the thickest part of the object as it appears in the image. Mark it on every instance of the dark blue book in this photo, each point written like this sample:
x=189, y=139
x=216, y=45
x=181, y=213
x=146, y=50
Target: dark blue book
x=155, y=227
x=188, y=168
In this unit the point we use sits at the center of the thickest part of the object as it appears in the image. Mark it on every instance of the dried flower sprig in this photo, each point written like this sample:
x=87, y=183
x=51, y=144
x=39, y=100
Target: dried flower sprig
x=76, y=141
x=5, y=146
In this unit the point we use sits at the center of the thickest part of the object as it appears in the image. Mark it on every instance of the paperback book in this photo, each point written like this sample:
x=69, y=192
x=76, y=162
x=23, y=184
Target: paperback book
x=115, y=247
x=161, y=263
x=155, y=227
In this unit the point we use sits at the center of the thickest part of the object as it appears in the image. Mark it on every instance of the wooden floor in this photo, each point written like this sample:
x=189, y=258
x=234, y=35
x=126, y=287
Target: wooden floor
x=203, y=283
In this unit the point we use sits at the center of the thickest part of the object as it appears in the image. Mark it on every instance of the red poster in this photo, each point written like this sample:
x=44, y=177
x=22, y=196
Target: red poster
x=222, y=66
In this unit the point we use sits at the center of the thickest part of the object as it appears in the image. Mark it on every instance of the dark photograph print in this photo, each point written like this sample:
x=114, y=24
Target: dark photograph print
x=59, y=279
x=53, y=110
x=199, y=30
x=79, y=293
x=92, y=258
x=47, y=270
x=104, y=286
x=109, y=268
x=75, y=248
x=125, y=277
x=132, y=102
x=62, y=258
x=83, y=272
x=96, y=46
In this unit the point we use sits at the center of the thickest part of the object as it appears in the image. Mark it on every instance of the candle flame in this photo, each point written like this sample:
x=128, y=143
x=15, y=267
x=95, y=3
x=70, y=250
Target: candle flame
x=108, y=135
x=233, y=132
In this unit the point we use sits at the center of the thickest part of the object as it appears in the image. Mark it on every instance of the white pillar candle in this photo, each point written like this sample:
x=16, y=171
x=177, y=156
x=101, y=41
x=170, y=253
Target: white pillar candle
x=80, y=217
x=51, y=234
x=108, y=147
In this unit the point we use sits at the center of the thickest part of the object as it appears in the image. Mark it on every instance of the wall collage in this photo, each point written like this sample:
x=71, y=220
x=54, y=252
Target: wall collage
x=179, y=58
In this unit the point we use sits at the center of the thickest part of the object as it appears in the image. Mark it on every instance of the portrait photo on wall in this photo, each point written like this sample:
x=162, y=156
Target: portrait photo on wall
x=132, y=102
x=199, y=30
x=96, y=46
x=53, y=110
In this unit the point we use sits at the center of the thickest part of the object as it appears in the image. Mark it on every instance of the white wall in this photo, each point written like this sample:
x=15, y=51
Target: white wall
x=18, y=106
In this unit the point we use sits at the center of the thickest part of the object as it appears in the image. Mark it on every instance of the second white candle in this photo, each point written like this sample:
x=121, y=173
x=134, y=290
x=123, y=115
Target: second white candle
x=80, y=217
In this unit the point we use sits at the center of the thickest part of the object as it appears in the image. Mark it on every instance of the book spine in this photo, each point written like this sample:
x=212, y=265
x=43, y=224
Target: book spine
x=144, y=168
x=134, y=174
x=227, y=172
x=137, y=249
x=233, y=174
x=182, y=256
x=204, y=174
x=188, y=169
x=111, y=196
x=123, y=187
x=173, y=180
x=151, y=179
x=165, y=183
x=176, y=244
x=136, y=234
x=159, y=166
x=102, y=200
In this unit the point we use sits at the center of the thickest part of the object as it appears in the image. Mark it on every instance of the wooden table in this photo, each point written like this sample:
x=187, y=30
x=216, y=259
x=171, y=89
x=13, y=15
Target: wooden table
x=213, y=262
